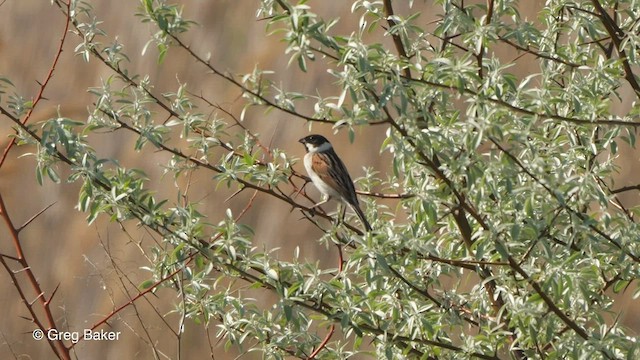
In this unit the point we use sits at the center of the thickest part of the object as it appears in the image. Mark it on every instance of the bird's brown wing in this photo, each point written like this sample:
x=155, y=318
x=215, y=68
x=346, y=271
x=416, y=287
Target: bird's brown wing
x=332, y=171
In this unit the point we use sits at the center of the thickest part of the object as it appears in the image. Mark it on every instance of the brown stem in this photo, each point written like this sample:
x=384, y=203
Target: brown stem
x=323, y=343
x=616, y=36
x=397, y=40
x=57, y=346
x=44, y=84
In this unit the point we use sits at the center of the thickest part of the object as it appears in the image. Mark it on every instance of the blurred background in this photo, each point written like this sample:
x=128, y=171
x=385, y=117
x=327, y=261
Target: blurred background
x=64, y=251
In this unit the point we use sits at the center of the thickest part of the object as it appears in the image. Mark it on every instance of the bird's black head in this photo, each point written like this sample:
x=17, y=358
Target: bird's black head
x=314, y=140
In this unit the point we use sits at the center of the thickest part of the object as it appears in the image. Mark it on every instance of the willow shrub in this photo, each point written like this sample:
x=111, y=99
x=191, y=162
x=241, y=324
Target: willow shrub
x=513, y=241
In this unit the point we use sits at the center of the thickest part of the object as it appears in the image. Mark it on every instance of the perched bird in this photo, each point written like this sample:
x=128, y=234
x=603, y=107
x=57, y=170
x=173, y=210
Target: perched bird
x=329, y=175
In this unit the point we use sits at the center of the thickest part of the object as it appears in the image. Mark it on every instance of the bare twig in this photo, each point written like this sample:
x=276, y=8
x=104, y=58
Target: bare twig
x=35, y=216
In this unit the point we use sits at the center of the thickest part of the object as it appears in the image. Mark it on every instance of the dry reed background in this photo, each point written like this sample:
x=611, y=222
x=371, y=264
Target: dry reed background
x=63, y=250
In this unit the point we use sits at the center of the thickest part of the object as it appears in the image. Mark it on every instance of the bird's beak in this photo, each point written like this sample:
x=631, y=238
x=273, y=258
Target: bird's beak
x=301, y=141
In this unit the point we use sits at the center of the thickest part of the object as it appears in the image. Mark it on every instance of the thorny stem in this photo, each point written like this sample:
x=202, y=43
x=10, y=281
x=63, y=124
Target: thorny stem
x=57, y=346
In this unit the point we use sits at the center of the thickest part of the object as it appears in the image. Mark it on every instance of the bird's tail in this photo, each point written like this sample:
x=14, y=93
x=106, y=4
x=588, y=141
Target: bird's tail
x=360, y=214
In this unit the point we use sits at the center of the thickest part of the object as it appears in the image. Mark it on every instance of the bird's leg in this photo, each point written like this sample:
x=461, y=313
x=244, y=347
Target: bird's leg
x=325, y=199
x=342, y=209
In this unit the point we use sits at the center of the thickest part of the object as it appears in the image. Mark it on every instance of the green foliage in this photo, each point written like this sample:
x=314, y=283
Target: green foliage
x=169, y=20
x=511, y=241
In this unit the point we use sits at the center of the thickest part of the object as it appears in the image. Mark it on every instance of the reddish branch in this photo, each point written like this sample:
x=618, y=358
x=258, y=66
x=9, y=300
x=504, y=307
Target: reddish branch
x=44, y=84
x=57, y=346
x=323, y=343
x=188, y=260
x=134, y=299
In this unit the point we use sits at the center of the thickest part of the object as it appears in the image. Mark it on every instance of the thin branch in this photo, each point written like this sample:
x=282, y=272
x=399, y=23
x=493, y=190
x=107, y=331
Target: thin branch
x=457, y=90
x=595, y=122
x=43, y=86
x=537, y=53
x=616, y=36
x=397, y=40
x=35, y=217
x=425, y=293
x=219, y=170
x=625, y=188
x=323, y=343
x=385, y=195
x=577, y=213
x=131, y=301
x=57, y=346
x=548, y=301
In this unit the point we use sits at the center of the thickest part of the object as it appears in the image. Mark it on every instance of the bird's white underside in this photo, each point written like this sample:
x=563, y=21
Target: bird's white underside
x=326, y=190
